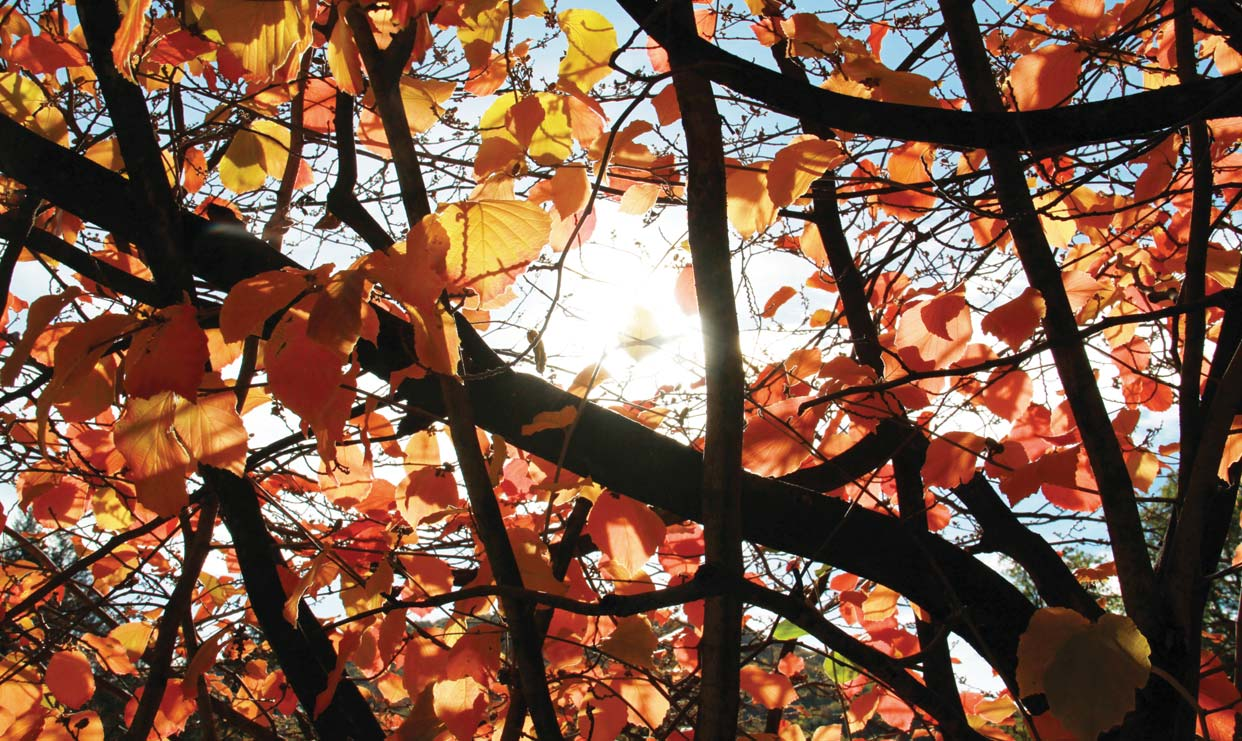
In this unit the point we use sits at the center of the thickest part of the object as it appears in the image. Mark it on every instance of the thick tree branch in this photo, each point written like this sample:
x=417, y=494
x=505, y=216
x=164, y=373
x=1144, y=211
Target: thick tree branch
x=721, y=494
x=304, y=651
x=1053, y=128
x=144, y=160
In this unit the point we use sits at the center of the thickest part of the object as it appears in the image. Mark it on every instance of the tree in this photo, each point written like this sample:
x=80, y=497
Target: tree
x=282, y=281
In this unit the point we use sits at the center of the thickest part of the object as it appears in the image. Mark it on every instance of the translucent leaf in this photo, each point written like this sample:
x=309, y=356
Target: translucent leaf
x=592, y=40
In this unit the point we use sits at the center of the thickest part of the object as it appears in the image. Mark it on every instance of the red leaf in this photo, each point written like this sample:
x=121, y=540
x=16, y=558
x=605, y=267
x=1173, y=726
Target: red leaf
x=170, y=356
x=777, y=300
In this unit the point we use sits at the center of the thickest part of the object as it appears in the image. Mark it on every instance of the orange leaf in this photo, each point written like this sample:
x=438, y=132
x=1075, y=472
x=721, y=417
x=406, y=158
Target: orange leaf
x=1046, y=77
x=426, y=493
x=798, y=165
x=129, y=36
x=252, y=301
x=213, y=432
x=69, y=678
x=158, y=462
x=551, y=420
x=1081, y=15
x=1008, y=393
x=38, y=316
x=939, y=329
x=684, y=291
x=777, y=300
x=570, y=189
x=777, y=439
x=460, y=704
x=169, y=356
x=952, y=459
x=262, y=36
x=336, y=317
x=750, y=207
x=627, y=531
x=1015, y=321
x=769, y=689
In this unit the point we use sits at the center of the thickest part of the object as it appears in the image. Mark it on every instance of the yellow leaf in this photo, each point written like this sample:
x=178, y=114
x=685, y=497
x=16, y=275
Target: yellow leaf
x=255, y=153
x=592, y=41
x=1088, y=671
x=548, y=142
x=343, y=59
x=642, y=336
x=436, y=343
x=22, y=100
x=491, y=243
x=264, y=35
x=213, y=432
x=422, y=99
x=632, y=642
x=111, y=514
x=552, y=420
x=1091, y=683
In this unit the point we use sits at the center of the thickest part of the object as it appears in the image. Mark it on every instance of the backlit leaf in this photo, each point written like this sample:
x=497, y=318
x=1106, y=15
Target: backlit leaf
x=491, y=243
x=1046, y=77
x=252, y=301
x=263, y=36
x=592, y=40
x=627, y=531
x=170, y=355
x=798, y=165
x=770, y=689
x=1088, y=671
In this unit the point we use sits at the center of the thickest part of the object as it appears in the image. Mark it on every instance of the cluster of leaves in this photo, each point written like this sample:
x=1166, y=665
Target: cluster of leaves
x=298, y=484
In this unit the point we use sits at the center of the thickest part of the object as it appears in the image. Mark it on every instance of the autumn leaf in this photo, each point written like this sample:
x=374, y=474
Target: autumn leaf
x=425, y=493
x=130, y=36
x=490, y=244
x=169, y=355
x=69, y=678
x=256, y=153
x=262, y=36
x=212, y=431
x=158, y=462
x=627, y=531
x=750, y=208
x=557, y=419
x=633, y=642
x=1088, y=671
x=460, y=704
x=795, y=167
x=1046, y=77
x=1017, y=319
x=769, y=689
x=592, y=40
x=252, y=301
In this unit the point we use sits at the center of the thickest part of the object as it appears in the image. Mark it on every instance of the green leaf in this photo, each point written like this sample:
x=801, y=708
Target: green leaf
x=787, y=631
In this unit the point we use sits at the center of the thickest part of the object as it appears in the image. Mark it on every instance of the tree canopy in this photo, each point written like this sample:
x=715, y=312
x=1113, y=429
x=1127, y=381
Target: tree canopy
x=669, y=369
